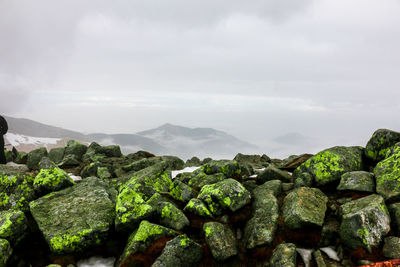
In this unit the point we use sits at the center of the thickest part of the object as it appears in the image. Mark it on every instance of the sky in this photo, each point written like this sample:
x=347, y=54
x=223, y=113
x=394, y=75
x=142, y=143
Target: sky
x=328, y=69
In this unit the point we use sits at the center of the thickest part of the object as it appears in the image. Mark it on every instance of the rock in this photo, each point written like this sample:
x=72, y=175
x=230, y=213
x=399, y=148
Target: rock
x=273, y=173
x=76, y=149
x=181, y=192
x=142, y=238
x=274, y=186
x=173, y=163
x=357, y=181
x=329, y=234
x=13, y=225
x=113, y=151
x=395, y=216
x=387, y=173
x=157, y=176
x=5, y=252
x=287, y=187
x=103, y=173
x=180, y=252
x=141, y=164
x=90, y=170
x=365, y=222
x=46, y=163
x=56, y=154
x=69, y=161
x=197, y=207
x=229, y=168
x=9, y=155
x=16, y=190
x=380, y=142
x=221, y=240
x=329, y=165
x=206, y=160
x=261, y=228
x=319, y=259
x=391, y=249
x=77, y=217
x=304, y=206
x=53, y=179
x=284, y=255
x=139, y=155
x=302, y=179
x=293, y=162
x=201, y=179
x=256, y=161
x=35, y=156
x=171, y=216
x=228, y=194
x=193, y=162
x=21, y=158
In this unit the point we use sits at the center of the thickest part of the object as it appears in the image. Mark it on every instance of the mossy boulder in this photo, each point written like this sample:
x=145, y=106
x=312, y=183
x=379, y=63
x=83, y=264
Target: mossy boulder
x=229, y=168
x=221, y=240
x=228, y=194
x=284, y=255
x=5, y=252
x=16, y=190
x=56, y=154
x=13, y=225
x=141, y=164
x=261, y=228
x=357, y=181
x=391, y=249
x=394, y=210
x=293, y=162
x=304, y=207
x=273, y=186
x=200, y=179
x=365, y=222
x=197, y=207
x=76, y=149
x=147, y=234
x=387, y=174
x=35, y=156
x=193, y=162
x=171, y=216
x=77, y=217
x=273, y=173
x=330, y=164
x=53, y=179
x=90, y=170
x=21, y=158
x=181, y=192
x=256, y=161
x=180, y=252
x=380, y=143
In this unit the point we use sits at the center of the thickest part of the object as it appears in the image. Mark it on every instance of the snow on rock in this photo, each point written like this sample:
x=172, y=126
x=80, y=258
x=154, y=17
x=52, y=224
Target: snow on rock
x=187, y=169
x=306, y=255
x=96, y=262
x=74, y=177
x=331, y=253
x=19, y=139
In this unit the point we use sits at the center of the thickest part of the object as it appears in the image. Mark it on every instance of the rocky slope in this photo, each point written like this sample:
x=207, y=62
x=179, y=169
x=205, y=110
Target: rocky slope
x=339, y=207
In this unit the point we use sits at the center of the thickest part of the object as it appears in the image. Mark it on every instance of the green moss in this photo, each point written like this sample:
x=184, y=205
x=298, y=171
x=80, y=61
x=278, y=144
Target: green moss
x=176, y=191
x=363, y=234
x=4, y=199
x=325, y=163
x=51, y=177
x=69, y=241
x=208, y=230
x=146, y=230
x=168, y=212
x=184, y=241
x=130, y=205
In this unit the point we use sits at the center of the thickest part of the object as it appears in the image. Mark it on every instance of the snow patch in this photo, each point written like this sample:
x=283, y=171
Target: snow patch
x=19, y=139
x=331, y=253
x=306, y=255
x=74, y=177
x=96, y=262
x=187, y=169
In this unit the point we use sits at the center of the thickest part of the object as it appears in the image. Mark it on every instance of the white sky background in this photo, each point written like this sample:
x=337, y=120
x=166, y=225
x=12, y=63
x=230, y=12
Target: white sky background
x=258, y=69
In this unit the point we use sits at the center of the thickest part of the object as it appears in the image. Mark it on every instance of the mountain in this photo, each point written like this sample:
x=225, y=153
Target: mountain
x=292, y=139
x=183, y=142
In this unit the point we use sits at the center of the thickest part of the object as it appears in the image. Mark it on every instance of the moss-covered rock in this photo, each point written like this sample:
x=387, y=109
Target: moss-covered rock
x=273, y=173
x=193, y=162
x=13, y=225
x=21, y=158
x=228, y=194
x=229, y=168
x=181, y=192
x=357, y=181
x=180, y=252
x=365, y=222
x=303, y=207
x=391, y=249
x=380, y=143
x=76, y=149
x=16, y=190
x=69, y=161
x=330, y=164
x=198, y=180
x=53, y=179
x=142, y=238
x=35, y=156
x=171, y=216
x=293, y=162
x=273, y=186
x=394, y=210
x=5, y=252
x=56, y=154
x=256, y=161
x=77, y=217
x=197, y=207
x=284, y=255
x=221, y=240
x=387, y=174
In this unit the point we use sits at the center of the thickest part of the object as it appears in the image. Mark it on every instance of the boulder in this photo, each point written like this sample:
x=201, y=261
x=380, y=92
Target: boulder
x=229, y=168
x=194, y=161
x=357, y=181
x=256, y=161
x=198, y=180
x=197, y=207
x=273, y=173
x=284, y=255
x=391, y=249
x=53, y=179
x=5, y=252
x=76, y=149
x=69, y=161
x=293, y=162
x=21, y=158
x=46, y=163
x=330, y=164
x=35, y=156
x=13, y=225
x=273, y=186
x=57, y=154
x=221, y=240
x=365, y=222
x=103, y=173
x=228, y=194
x=181, y=192
x=180, y=252
x=77, y=217
x=147, y=234
x=16, y=190
x=394, y=210
x=303, y=207
x=171, y=216
x=387, y=174
x=380, y=143
x=90, y=170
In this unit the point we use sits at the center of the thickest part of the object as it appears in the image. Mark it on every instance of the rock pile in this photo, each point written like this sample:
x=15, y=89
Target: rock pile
x=339, y=207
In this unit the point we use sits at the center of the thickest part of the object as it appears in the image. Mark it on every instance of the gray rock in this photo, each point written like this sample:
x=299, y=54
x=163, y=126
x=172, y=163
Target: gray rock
x=198, y=180
x=16, y=190
x=273, y=173
x=197, y=207
x=13, y=225
x=5, y=252
x=77, y=217
x=357, y=181
x=194, y=161
x=284, y=255
x=76, y=149
x=380, y=142
x=52, y=179
x=395, y=216
x=69, y=161
x=35, y=156
x=319, y=259
x=57, y=154
x=180, y=252
x=229, y=168
x=221, y=240
x=274, y=186
x=365, y=222
x=171, y=216
x=293, y=162
x=391, y=249
x=304, y=206
x=181, y=192
x=46, y=163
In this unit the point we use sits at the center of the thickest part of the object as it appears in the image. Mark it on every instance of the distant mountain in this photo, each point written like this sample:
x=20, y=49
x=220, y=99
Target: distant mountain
x=292, y=139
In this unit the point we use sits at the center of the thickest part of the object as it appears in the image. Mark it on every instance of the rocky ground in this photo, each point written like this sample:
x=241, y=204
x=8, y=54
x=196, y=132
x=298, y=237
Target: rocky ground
x=340, y=207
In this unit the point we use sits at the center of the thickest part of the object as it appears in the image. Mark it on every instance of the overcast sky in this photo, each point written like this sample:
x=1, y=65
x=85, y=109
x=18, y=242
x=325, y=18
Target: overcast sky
x=256, y=69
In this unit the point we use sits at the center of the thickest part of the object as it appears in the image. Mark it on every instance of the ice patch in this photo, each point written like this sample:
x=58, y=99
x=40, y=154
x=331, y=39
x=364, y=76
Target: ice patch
x=331, y=253
x=187, y=169
x=74, y=177
x=306, y=255
x=96, y=262
x=19, y=139
x=254, y=176
x=260, y=170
